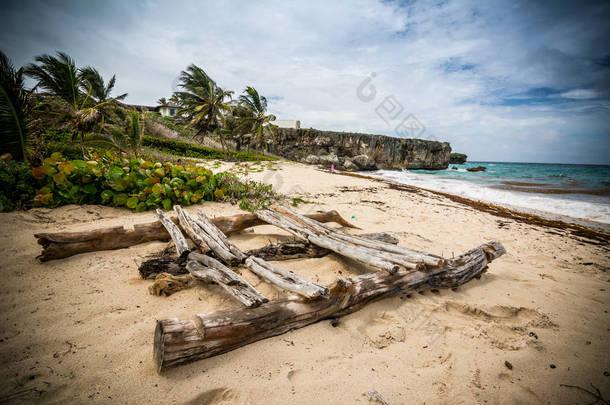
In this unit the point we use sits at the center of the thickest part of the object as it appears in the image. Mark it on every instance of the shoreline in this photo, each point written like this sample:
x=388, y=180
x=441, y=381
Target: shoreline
x=579, y=227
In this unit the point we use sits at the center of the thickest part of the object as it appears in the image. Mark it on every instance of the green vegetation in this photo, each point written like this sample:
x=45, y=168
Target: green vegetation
x=252, y=118
x=75, y=143
x=17, y=186
x=14, y=107
x=139, y=184
x=76, y=98
x=196, y=151
x=202, y=102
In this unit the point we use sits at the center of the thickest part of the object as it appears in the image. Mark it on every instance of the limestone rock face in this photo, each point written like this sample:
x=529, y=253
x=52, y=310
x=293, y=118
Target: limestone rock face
x=363, y=151
x=457, y=158
x=363, y=162
x=312, y=160
x=330, y=159
x=349, y=165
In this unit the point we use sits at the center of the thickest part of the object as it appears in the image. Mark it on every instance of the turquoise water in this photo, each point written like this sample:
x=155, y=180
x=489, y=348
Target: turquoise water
x=546, y=178
x=577, y=191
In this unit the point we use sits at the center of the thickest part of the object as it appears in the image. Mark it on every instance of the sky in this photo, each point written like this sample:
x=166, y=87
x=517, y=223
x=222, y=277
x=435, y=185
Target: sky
x=517, y=81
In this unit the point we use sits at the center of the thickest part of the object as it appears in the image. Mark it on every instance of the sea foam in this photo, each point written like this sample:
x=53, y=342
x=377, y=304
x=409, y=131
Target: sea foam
x=589, y=208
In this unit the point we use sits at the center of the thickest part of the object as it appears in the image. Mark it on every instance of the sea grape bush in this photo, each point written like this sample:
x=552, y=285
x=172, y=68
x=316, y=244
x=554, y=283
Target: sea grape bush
x=17, y=185
x=137, y=184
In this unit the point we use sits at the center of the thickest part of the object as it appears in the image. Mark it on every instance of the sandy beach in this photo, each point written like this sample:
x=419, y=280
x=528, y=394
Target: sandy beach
x=81, y=329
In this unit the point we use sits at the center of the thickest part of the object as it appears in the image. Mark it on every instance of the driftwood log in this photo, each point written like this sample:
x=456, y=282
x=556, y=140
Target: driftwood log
x=208, y=269
x=208, y=226
x=59, y=245
x=376, y=254
x=205, y=268
x=172, y=229
x=202, y=238
x=150, y=268
x=285, y=279
x=179, y=341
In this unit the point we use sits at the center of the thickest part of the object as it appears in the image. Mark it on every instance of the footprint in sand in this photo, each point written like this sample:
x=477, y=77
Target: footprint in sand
x=383, y=329
x=295, y=376
x=505, y=327
x=216, y=396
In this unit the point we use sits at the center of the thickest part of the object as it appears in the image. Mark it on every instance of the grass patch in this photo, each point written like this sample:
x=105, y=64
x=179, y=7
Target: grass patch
x=188, y=149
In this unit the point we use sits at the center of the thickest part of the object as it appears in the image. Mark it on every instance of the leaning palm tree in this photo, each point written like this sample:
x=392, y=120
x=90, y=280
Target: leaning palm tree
x=128, y=139
x=94, y=83
x=81, y=110
x=14, y=108
x=201, y=102
x=253, y=118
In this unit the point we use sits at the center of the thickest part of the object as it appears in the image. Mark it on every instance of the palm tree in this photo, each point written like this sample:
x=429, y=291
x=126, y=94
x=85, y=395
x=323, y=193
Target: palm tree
x=230, y=130
x=162, y=101
x=127, y=140
x=58, y=76
x=14, y=108
x=253, y=118
x=202, y=102
x=94, y=83
x=82, y=92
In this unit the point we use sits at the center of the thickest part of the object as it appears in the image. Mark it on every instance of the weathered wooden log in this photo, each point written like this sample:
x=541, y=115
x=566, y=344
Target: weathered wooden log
x=150, y=268
x=208, y=226
x=351, y=246
x=284, y=279
x=209, y=269
x=179, y=240
x=411, y=255
x=59, y=245
x=299, y=250
x=179, y=341
x=201, y=238
x=304, y=233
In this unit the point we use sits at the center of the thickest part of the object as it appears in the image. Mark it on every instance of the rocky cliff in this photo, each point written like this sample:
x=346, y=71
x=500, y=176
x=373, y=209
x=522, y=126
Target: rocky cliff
x=354, y=151
x=457, y=158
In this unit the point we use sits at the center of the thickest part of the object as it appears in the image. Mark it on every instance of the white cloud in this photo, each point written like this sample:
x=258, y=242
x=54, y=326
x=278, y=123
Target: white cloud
x=455, y=65
x=580, y=94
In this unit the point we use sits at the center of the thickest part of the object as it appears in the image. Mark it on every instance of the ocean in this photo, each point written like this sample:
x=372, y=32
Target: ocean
x=578, y=192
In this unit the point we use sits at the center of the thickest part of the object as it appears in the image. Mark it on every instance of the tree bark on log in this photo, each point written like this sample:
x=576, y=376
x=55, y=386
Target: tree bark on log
x=208, y=269
x=179, y=341
x=182, y=246
x=208, y=226
x=285, y=280
x=59, y=245
x=310, y=234
x=201, y=238
x=150, y=268
x=410, y=254
x=405, y=257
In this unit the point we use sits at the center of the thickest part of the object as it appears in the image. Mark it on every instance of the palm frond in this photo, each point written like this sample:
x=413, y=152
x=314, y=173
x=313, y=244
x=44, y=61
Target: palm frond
x=14, y=107
x=57, y=75
x=101, y=140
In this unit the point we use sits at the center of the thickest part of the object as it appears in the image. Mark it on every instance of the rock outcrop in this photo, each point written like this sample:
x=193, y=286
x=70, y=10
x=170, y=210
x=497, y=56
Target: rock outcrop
x=354, y=151
x=457, y=158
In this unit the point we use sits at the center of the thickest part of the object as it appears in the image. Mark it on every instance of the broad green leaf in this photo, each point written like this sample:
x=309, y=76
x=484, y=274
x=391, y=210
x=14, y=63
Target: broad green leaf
x=132, y=202
x=120, y=199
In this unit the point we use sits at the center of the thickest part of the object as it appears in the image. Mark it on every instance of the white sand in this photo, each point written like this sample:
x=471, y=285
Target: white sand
x=81, y=329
